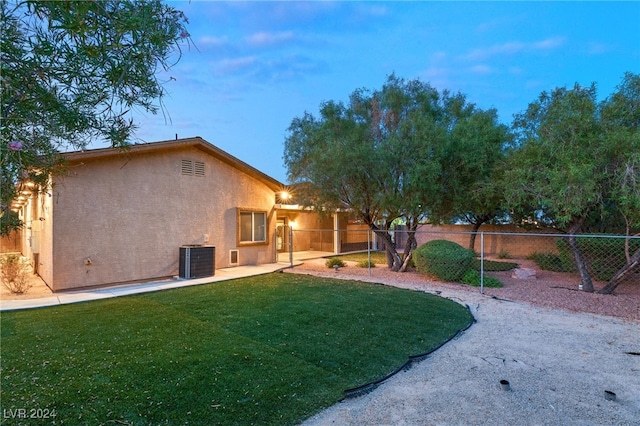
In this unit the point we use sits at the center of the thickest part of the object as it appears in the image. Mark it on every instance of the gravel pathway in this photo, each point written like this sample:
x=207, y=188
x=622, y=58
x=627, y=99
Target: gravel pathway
x=559, y=364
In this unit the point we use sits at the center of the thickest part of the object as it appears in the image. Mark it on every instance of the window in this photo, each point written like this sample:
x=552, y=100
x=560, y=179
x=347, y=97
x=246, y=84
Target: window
x=192, y=168
x=253, y=227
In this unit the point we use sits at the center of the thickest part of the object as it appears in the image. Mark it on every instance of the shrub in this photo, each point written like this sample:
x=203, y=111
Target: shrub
x=366, y=264
x=493, y=265
x=472, y=277
x=503, y=254
x=334, y=261
x=550, y=262
x=13, y=272
x=604, y=256
x=443, y=259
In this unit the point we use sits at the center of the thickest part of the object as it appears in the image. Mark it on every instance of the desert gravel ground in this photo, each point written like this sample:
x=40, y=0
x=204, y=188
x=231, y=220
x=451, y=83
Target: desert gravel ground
x=542, y=336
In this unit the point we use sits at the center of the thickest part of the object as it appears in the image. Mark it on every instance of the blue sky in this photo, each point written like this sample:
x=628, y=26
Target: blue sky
x=258, y=65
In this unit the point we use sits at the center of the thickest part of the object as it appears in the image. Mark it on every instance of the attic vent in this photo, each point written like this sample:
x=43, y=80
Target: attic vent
x=192, y=168
x=199, y=168
x=187, y=167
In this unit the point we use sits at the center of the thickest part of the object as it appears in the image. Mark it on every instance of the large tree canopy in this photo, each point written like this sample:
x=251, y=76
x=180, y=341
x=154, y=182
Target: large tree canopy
x=72, y=71
x=471, y=172
x=387, y=154
x=576, y=164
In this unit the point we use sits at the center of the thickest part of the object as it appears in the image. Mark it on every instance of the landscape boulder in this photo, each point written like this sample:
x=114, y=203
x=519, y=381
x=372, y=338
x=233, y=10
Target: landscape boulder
x=524, y=273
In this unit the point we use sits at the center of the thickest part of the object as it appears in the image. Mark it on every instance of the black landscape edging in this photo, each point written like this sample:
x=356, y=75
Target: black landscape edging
x=413, y=359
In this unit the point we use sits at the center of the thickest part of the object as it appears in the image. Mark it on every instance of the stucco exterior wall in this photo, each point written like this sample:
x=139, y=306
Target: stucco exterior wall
x=43, y=222
x=498, y=239
x=312, y=232
x=123, y=218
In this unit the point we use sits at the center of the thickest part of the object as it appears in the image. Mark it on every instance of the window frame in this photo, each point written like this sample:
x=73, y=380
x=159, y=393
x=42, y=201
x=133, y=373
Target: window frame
x=253, y=242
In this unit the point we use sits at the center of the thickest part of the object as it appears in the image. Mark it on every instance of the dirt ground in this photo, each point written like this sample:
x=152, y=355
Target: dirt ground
x=562, y=352
x=549, y=289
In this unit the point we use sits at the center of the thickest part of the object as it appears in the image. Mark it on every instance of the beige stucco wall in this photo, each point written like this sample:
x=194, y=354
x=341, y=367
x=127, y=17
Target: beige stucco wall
x=124, y=218
x=505, y=239
x=313, y=232
x=43, y=225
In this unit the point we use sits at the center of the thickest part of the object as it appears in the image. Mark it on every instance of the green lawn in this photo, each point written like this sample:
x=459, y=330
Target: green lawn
x=272, y=349
x=379, y=258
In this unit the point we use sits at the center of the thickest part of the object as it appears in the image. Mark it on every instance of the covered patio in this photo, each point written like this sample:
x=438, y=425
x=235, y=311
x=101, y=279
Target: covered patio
x=298, y=256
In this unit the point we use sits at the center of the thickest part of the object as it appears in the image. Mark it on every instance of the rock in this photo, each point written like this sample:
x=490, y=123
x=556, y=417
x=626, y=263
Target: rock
x=524, y=273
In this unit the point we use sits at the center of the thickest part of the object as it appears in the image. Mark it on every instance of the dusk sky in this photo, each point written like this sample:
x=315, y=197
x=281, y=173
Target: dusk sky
x=257, y=65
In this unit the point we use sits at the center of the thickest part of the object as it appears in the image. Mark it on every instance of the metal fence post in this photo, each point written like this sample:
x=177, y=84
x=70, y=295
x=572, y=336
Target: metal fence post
x=369, y=250
x=291, y=245
x=482, y=263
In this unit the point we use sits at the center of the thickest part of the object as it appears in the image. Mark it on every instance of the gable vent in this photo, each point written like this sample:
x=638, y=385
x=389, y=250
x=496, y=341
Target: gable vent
x=192, y=168
x=198, y=169
x=187, y=167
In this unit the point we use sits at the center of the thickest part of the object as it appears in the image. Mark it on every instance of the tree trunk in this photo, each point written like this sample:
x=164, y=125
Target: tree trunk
x=474, y=233
x=632, y=263
x=393, y=258
x=409, y=247
x=581, y=264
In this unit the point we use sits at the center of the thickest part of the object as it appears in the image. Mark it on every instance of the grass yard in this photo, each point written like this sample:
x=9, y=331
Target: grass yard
x=272, y=349
x=377, y=257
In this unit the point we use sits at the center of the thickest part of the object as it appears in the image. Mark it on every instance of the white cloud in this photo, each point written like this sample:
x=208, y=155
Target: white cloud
x=230, y=66
x=500, y=23
x=377, y=10
x=438, y=76
x=594, y=48
x=262, y=39
x=212, y=41
x=499, y=49
x=481, y=69
x=439, y=56
x=515, y=47
x=550, y=43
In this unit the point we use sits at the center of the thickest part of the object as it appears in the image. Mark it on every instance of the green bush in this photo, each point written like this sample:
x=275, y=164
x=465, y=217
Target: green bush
x=550, y=262
x=494, y=265
x=334, y=261
x=604, y=256
x=503, y=254
x=366, y=264
x=443, y=259
x=472, y=277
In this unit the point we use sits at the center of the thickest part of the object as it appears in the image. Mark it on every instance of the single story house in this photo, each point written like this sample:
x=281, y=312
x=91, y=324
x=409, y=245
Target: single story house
x=120, y=216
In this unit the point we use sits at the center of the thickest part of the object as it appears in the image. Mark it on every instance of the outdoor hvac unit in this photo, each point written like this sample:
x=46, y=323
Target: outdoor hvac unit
x=197, y=261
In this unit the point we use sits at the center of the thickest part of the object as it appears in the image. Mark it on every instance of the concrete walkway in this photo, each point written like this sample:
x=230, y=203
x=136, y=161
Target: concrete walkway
x=74, y=296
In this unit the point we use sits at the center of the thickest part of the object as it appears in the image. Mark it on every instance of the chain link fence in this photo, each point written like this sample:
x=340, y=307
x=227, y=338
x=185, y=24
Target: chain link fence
x=607, y=258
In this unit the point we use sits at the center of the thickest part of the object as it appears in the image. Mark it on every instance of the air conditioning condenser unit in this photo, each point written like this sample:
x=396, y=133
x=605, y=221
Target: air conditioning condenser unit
x=197, y=261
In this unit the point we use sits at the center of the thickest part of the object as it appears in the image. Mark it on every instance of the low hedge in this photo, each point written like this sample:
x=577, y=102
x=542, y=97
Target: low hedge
x=443, y=259
x=603, y=256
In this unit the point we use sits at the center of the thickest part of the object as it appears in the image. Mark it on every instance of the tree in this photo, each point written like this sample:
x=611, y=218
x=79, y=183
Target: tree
x=557, y=167
x=620, y=115
x=380, y=156
x=476, y=150
x=71, y=73
x=576, y=162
